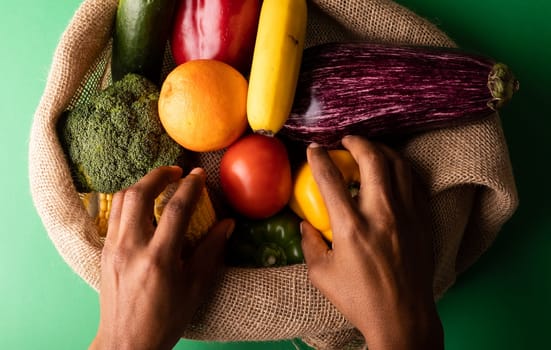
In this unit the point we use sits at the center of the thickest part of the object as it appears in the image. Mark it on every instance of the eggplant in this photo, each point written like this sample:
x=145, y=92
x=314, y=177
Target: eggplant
x=376, y=90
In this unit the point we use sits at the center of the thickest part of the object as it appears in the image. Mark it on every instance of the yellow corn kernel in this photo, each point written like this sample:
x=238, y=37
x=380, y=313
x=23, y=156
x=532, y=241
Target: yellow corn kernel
x=102, y=218
x=98, y=206
x=202, y=218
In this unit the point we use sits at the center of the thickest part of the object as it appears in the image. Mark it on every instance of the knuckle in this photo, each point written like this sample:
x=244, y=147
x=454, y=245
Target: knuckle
x=135, y=194
x=386, y=224
x=372, y=156
x=353, y=228
x=114, y=255
x=328, y=174
x=191, y=181
x=152, y=264
x=322, y=276
x=110, y=247
x=177, y=207
x=315, y=273
x=361, y=146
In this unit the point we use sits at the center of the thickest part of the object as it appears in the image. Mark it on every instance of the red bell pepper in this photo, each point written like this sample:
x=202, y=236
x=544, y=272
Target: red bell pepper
x=224, y=30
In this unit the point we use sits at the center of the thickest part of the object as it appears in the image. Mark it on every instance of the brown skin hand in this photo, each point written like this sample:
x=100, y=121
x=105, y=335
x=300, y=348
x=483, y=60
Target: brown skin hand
x=379, y=270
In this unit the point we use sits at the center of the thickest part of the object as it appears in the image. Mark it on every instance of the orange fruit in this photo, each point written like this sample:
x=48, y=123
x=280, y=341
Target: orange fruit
x=203, y=105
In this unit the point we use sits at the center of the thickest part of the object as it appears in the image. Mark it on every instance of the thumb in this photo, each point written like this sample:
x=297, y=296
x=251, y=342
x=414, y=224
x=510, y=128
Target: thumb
x=314, y=247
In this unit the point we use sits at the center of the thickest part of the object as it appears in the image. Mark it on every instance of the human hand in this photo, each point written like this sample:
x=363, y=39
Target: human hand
x=149, y=288
x=379, y=271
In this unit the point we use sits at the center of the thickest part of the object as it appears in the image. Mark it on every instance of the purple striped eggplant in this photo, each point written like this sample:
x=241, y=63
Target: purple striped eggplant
x=377, y=90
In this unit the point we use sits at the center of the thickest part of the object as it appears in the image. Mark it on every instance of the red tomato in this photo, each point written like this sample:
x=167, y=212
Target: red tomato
x=223, y=30
x=255, y=175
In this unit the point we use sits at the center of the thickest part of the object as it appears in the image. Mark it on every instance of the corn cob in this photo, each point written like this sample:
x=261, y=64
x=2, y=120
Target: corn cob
x=98, y=206
x=202, y=218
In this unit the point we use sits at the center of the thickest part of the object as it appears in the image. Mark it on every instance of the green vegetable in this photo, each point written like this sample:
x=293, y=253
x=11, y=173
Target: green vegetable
x=275, y=241
x=142, y=29
x=116, y=137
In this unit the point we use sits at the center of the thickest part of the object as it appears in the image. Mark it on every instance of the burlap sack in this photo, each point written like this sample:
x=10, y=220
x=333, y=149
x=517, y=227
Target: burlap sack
x=468, y=168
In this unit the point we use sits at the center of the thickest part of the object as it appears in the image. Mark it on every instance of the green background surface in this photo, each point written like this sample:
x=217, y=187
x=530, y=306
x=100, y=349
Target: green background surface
x=503, y=302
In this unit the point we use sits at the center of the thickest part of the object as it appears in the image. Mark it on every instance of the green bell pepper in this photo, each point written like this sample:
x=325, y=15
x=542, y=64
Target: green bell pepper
x=275, y=241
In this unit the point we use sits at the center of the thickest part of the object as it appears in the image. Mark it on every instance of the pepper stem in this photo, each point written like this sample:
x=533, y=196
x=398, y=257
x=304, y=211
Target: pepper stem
x=270, y=254
x=354, y=189
x=502, y=85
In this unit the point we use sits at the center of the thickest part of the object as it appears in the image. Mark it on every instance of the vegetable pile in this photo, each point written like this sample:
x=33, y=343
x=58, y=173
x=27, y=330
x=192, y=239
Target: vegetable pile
x=286, y=96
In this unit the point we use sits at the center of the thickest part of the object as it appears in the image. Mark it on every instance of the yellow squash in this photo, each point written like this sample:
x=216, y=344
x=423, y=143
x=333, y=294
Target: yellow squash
x=276, y=64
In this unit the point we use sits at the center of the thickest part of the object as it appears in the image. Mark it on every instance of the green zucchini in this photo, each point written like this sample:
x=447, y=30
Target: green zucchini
x=142, y=28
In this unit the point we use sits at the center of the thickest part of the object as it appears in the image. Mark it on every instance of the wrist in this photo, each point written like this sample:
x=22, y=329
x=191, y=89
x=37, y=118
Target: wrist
x=104, y=341
x=413, y=328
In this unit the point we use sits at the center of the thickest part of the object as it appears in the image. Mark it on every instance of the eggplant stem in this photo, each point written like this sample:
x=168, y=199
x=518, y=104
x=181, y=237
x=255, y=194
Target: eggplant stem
x=502, y=85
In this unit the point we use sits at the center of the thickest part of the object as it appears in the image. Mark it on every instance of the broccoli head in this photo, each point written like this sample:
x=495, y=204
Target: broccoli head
x=116, y=137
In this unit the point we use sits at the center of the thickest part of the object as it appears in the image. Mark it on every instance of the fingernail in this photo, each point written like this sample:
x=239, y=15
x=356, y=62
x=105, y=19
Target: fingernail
x=198, y=171
x=301, y=227
x=348, y=138
x=175, y=167
x=314, y=145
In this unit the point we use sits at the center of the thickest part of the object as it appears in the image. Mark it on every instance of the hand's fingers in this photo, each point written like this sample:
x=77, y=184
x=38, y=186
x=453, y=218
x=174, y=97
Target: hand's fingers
x=375, y=188
x=138, y=201
x=169, y=236
x=114, y=216
x=402, y=177
x=208, y=257
x=336, y=196
x=314, y=247
x=410, y=195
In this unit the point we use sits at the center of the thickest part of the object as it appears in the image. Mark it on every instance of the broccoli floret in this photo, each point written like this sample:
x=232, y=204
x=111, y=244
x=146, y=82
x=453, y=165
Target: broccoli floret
x=116, y=137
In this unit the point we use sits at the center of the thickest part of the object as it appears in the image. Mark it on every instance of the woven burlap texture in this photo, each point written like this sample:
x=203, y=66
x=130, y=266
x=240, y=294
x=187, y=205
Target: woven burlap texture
x=468, y=169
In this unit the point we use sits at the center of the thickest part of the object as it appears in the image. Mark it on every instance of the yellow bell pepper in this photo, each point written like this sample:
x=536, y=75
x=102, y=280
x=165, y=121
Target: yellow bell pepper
x=306, y=200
